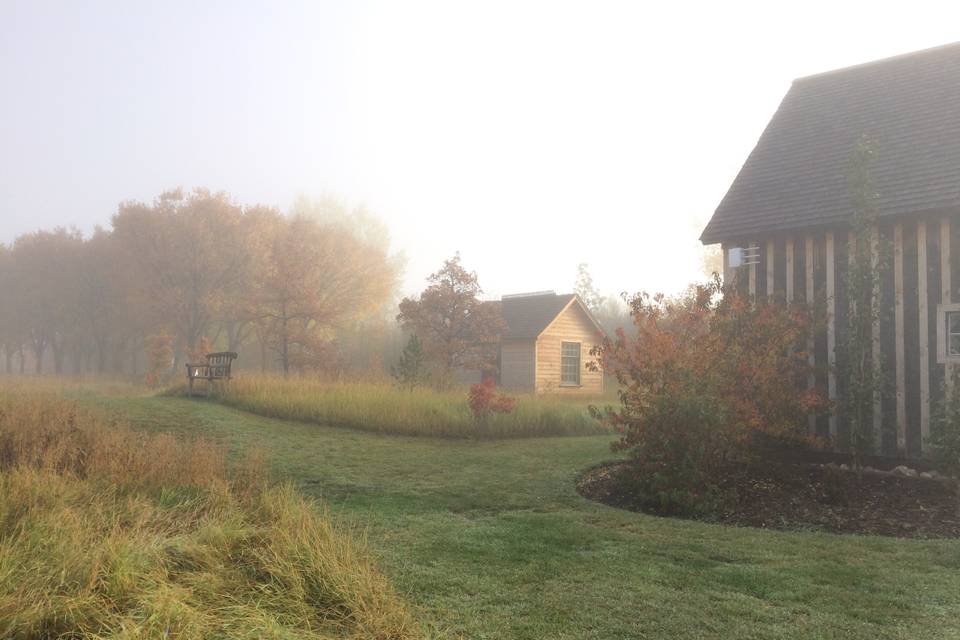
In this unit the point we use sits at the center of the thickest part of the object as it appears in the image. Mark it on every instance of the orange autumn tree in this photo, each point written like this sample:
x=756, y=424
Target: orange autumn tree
x=458, y=330
x=701, y=378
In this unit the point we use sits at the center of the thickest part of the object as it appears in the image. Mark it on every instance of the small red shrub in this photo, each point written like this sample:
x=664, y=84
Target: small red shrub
x=484, y=400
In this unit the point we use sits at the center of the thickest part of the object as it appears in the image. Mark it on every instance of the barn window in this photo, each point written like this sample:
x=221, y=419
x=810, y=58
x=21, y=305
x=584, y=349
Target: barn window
x=953, y=333
x=948, y=333
x=570, y=363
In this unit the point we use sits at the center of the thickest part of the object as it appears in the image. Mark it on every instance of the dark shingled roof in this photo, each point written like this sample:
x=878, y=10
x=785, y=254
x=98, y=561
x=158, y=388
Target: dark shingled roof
x=528, y=316
x=797, y=175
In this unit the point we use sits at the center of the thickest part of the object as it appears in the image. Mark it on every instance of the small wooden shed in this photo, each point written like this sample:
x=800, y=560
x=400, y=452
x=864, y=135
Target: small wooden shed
x=546, y=345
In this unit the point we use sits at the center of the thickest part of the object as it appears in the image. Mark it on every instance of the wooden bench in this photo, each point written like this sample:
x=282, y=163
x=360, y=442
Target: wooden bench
x=216, y=367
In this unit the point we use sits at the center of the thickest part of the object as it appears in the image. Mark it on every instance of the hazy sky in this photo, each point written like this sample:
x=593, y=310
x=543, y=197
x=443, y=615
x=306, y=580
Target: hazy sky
x=530, y=136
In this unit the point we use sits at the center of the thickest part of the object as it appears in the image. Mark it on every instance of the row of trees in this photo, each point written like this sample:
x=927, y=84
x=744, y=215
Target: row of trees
x=201, y=269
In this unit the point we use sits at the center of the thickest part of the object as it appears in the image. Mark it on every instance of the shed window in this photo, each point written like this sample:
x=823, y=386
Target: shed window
x=570, y=363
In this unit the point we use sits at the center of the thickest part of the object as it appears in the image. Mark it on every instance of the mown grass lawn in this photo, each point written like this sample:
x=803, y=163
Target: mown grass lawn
x=490, y=540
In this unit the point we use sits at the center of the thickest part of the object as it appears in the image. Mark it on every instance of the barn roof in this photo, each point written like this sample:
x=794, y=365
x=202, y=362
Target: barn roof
x=797, y=175
x=526, y=316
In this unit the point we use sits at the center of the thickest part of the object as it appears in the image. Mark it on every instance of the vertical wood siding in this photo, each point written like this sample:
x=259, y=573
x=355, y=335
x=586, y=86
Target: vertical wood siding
x=769, y=268
x=808, y=297
x=877, y=359
x=518, y=364
x=821, y=344
x=830, y=287
x=919, y=263
x=911, y=337
x=841, y=266
x=933, y=370
x=778, y=276
x=900, y=366
x=789, y=269
x=946, y=295
x=889, y=353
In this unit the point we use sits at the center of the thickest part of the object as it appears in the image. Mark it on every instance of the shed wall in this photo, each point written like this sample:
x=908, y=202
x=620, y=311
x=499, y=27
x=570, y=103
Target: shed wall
x=517, y=364
x=572, y=325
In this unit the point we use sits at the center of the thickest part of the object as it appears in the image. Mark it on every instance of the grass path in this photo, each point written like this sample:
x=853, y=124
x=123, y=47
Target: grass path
x=491, y=540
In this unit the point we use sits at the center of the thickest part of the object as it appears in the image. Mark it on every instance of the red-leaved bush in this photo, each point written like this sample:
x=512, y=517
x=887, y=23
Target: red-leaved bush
x=700, y=378
x=484, y=400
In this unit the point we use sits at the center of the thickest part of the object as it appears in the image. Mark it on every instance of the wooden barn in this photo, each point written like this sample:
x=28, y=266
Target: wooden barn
x=546, y=345
x=790, y=207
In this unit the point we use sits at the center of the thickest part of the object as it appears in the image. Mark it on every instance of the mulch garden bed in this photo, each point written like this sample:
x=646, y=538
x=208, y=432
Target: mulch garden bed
x=811, y=497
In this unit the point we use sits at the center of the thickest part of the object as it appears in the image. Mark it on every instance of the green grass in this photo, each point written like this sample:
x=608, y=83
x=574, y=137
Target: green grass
x=384, y=408
x=490, y=540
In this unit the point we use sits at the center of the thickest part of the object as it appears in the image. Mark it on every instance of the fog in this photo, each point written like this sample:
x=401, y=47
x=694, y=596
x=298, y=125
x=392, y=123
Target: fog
x=531, y=137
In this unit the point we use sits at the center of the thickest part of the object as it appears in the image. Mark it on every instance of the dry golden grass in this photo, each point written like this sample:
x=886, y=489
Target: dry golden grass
x=110, y=533
x=384, y=408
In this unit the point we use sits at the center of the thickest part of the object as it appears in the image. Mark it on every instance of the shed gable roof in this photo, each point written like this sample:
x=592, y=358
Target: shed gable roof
x=526, y=317
x=797, y=175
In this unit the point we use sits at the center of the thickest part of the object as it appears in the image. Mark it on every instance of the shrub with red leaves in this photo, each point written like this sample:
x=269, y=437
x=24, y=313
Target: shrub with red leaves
x=484, y=400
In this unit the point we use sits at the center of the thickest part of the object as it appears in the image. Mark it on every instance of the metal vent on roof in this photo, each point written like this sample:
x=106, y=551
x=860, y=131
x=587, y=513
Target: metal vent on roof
x=530, y=294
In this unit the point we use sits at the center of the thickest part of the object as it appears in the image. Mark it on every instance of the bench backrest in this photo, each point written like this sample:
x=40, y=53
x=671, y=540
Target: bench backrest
x=220, y=362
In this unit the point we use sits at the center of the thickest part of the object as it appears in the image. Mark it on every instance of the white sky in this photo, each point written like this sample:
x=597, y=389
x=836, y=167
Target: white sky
x=530, y=136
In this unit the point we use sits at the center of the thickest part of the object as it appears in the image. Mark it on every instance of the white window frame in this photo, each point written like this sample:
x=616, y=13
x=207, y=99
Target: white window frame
x=579, y=345
x=943, y=338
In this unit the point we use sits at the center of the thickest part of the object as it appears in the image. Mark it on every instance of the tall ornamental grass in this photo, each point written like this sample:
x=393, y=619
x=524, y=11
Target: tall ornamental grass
x=110, y=533
x=384, y=408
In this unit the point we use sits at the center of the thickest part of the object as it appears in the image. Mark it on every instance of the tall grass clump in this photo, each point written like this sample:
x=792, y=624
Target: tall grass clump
x=385, y=408
x=107, y=532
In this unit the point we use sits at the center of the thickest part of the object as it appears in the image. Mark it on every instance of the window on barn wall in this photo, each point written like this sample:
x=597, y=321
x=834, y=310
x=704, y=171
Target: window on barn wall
x=948, y=333
x=953, y=333
x=570, y=363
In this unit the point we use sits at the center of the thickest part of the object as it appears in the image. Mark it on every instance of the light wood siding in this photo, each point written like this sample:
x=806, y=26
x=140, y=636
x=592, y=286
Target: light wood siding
x=517, y=364
x=919, y=266
x=572, y=325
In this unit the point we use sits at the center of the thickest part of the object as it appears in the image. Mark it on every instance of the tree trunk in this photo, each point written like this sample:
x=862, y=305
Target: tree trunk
x=263, y=354
x=77, y=363
x=101, y=356
x=57, y=356
x=284, y=350
x=38, y=351
x=284, y=342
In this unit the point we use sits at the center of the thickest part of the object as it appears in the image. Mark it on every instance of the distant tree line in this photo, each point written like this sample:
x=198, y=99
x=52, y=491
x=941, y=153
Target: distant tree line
x=205, y=273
